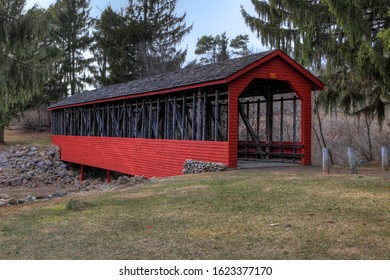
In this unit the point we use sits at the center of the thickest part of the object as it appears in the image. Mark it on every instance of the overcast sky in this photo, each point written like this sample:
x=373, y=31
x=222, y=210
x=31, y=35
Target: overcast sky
x=209, y=17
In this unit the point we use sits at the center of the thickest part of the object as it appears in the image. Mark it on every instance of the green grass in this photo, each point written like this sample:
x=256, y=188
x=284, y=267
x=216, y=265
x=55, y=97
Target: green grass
x=255, y=214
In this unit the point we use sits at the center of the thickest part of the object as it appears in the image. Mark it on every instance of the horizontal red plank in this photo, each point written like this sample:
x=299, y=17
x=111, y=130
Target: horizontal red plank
x=135, y=156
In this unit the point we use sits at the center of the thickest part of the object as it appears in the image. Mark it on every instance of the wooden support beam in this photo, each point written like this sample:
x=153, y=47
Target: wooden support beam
x=216, y=115
x=143, y=121
x=258, y=118
x=193, y=117
x=199, y=116
x=174, y=115
x=150, y=119
x=247, y=114
x=157, y=130
x=269, y=122
x=204, y=117
x=183, y=119
x=136, y=117
x=221, y=137
x=166, y=118
x=251, y=131
x=281, y=124
x=294, y=125
x=108, y=180
x=81, y=173
x=107, y=120
x=270, y=115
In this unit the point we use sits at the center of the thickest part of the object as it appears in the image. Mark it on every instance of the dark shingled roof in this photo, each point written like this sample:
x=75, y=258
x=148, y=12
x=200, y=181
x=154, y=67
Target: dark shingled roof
x=185, y=77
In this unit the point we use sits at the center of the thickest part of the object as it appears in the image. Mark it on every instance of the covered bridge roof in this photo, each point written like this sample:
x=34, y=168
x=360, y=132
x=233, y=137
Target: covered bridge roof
x=191, y=77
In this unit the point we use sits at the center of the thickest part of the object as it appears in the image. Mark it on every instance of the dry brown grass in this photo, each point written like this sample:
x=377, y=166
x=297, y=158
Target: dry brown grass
x=17, y=136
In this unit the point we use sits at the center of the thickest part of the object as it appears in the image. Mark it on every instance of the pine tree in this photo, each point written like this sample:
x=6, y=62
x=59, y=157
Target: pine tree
x=23, y=72
x=161, y=32
x=240, y=45
x=139, y=41
x=212, y=49
x=116, y=38
x=341, y=39
x=71, y=23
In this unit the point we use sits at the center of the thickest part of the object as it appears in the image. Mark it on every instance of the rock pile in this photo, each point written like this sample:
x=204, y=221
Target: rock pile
x=5, y=200
x=25, y=167
x=28, y=167
x=195, y=167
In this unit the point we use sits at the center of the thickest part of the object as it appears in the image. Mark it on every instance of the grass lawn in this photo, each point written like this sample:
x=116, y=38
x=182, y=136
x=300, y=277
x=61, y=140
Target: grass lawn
x=294, y=213
x=23, y=137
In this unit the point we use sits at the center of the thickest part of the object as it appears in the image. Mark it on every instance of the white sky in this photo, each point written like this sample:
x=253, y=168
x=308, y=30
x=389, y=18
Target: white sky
x=209, y=17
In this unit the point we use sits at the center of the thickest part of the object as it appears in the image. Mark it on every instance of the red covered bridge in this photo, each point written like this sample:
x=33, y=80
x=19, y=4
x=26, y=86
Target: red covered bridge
x=256, y=107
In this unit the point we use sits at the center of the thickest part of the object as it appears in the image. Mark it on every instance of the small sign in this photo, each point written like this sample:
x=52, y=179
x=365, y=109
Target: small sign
x=272, y=75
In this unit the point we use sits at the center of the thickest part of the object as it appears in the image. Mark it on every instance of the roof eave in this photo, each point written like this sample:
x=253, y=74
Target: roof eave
x=157, y=92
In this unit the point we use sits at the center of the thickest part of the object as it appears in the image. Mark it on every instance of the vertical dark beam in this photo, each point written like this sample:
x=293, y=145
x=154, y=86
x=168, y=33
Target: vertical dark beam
x=174, y=117
x=183, y=118
x=82, y=122
x=150, y=121
x=107, y=108
x=143, y=122
x=53, y=120
x=124, y=120
x=130, y=115
x=108, y=177
x=269, y=122
x=247, y=114
x=158, y=119
x=135, y=121
x=166, y=118
x=216, y=115
x=281, y=123
x=193, y=119
x=294, y=126
x=199, y=116
x=258, y=119
x=81, y=173
x=204, y=117
x=281, y=119
x=270, y=113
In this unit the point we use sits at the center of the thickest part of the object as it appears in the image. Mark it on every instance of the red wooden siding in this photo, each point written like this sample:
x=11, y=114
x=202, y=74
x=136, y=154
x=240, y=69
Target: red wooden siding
x=147, y=157
x=162, y=158
x=284, y=72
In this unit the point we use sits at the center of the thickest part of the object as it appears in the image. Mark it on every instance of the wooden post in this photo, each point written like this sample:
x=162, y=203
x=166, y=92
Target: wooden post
x=174, y=117
x=199, y=117
x=158, y=119
x=258, y=119
x=193, y=117
x=108, y=177
x=294, y=126
x=81, y=173
x=385, y=158
x=150, y=119
x=281, y=125
x=269, y=123
x=325, y=161
x=183, y=118
x=216, y=115
x=204, y=117
x=136, y=117
x=166, y=112
x=247, y=132
x=251, y=131
x=352, y=160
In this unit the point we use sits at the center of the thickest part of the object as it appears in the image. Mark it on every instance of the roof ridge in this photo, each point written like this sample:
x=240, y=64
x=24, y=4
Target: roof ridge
x=187, y=76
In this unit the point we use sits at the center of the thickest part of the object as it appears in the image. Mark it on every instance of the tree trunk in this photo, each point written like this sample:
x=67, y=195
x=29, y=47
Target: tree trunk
x=2, y=142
